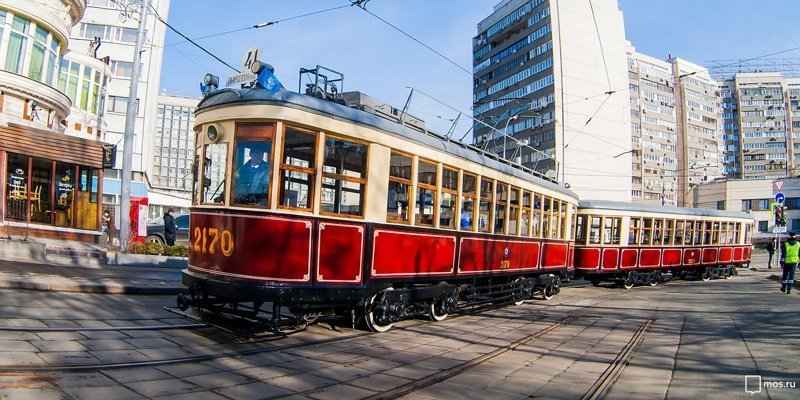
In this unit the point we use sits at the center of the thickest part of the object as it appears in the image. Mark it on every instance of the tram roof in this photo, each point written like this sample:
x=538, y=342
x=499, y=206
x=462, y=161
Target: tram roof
x=229, y=97
x=624, y=206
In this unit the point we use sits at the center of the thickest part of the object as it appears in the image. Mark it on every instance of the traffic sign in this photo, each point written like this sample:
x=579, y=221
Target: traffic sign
x=778, y=229
x=780, y=198
x=777, y=186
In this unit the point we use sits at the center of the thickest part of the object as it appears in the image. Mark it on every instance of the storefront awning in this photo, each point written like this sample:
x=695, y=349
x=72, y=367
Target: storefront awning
x=51, y=145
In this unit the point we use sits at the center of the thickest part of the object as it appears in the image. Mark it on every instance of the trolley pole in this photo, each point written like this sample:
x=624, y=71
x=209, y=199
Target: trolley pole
x=130, y=124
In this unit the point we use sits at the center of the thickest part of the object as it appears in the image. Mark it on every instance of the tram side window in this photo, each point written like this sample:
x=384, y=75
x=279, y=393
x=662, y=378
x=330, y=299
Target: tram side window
x=658, y=231
x=537, y=215
x=562, y=233
x=555, y=220
x=647, y=231
x=574, y=220
x=426, y=193
x=399, y=187
x=447, y=204
x=716, y=237
x=214, y=168
x=594, y=229
x=513, y=211
x=748, y=231
x=679, y=225
x=251, y=163
x=344, y=177
x=500, y=207
x=689, y=238
x=525, y=217
x=698, y=233
x=611, y=228
x=738, y=237
x=546, y=212
x=196, y=176
x=708, y=233
x=669, y=231
x=723, y=232
x=298, y=168
x=486, y=205
x=469, y=194
x=580, y=229
x=634, y=231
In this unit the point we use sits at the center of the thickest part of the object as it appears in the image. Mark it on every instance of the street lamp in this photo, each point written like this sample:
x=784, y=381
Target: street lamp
x=505, y=133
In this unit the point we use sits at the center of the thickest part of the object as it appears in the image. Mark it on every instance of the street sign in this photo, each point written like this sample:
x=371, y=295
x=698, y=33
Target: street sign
x=778, y=229
x=780, y=198
x=777, y=186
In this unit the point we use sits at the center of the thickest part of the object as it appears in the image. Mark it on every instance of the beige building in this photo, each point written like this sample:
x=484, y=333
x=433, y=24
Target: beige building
x=754, y=196
x=762, y=125
x=654, y=135
x=552, y=75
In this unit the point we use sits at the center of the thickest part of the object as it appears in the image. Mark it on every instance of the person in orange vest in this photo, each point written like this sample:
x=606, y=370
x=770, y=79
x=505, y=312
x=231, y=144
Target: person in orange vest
x=790, y=257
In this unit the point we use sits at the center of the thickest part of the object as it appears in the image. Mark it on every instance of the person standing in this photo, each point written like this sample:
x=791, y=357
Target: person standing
x=170, y=229
x=771, y=251
x=790, y=257
x=110, y=228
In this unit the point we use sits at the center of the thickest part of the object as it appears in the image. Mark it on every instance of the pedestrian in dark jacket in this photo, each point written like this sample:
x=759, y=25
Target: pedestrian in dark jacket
x=170, y=229
x=771, y=251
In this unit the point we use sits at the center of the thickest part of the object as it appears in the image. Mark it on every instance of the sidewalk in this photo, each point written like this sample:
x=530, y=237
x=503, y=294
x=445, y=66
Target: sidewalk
x=67, y=266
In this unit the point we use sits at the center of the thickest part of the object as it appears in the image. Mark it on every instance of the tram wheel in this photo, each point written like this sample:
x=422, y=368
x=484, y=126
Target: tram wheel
x=728, y=272
x=183, y=302
x=629, y=280
x=435, y=310
x=519, y=296
x=377, y=316
x=548, y=292
x=653, y=281
x=595, y=281
x=706, y=274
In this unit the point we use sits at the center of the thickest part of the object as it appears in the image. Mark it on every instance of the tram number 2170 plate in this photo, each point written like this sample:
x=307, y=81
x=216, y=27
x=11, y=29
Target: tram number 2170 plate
x=212, y=240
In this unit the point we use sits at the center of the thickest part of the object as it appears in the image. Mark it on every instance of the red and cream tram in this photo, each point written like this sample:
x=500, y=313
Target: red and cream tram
x=308, y=204
x=635, y=243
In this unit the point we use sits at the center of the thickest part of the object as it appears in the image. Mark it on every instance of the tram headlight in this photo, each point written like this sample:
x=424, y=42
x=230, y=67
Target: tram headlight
x=212, y=132
x=256, y=67
x=211, y=80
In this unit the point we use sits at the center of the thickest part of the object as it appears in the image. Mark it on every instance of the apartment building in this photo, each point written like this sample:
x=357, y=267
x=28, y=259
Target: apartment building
x=700, y=131
x=549, y=88
x=762, y=125
x=654, y=137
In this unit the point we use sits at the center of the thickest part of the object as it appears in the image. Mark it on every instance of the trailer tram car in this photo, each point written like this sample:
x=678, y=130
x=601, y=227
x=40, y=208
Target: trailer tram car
x=659, y=240
x=318, y=207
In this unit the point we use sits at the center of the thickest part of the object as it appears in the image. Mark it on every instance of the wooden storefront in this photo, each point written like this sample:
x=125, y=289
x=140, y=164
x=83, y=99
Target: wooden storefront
x=51, y=184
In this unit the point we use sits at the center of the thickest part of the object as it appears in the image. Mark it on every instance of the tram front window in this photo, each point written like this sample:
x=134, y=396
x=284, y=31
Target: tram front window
x=214, y=173
x=251, y=182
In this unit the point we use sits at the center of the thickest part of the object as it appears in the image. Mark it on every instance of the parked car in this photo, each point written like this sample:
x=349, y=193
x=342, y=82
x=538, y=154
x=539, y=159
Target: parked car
x=155, y=230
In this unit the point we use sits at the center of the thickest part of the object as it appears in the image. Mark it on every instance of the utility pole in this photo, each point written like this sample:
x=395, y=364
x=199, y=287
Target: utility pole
x=130, y=124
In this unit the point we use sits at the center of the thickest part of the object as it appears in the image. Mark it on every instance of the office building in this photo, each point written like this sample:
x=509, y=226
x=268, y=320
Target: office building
x=553, y=76
x=173, y=154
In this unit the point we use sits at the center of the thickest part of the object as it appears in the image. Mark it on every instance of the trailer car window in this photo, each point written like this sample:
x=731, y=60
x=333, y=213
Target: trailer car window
x=525, y=223
x=344, y=172
x=399, y=187
x=468, y=199
x=594, y=230
x=486, y=204
x=689, y=237
x=537, y=215
x=562, y=233
x=426, y=193
x=447, y=204
x=546, y=211
x=500, y=207
x=647, y=231
x=678, y=238
x=513, y=211
x=634, y=232
x=580, y=230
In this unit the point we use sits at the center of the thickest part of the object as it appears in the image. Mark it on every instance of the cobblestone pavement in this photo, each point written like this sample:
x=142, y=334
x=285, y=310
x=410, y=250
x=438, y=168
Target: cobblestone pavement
x=702, y=339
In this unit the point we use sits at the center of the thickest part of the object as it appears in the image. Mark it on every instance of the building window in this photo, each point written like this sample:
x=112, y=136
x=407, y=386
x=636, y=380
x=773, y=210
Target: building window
x=763, y=226
x=721, y=205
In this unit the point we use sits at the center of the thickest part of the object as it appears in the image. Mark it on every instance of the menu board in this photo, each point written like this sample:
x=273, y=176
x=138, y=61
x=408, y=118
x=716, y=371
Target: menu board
x=64, y=188
x=16, y=183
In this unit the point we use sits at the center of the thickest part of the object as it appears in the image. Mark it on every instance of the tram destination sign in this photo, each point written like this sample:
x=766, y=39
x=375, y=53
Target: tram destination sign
x=247, y=76
x=239, y=79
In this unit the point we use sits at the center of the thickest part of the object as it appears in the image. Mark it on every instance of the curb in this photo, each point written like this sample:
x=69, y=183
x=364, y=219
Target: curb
x=95, y=288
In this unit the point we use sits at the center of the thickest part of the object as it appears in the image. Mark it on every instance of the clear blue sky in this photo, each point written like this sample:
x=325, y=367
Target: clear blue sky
x=381, y=62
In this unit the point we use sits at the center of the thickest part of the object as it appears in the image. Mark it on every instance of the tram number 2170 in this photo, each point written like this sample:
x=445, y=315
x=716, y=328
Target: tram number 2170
x=211, y=240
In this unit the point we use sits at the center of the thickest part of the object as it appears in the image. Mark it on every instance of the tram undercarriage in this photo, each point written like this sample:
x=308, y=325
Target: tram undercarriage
x=629, y=279
x=376, y=305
